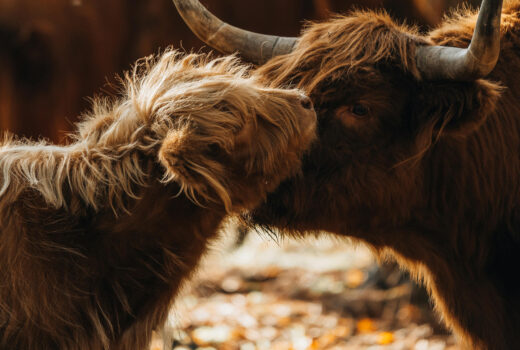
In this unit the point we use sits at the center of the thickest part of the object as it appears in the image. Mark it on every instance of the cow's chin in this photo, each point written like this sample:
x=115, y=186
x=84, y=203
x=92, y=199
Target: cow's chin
x=292, y=206
x=265, y=217
x=278, y=212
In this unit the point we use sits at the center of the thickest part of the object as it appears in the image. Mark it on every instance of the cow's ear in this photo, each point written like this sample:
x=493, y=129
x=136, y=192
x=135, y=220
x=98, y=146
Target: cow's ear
x=192, y=163
x=178, y=155
x=454, y=108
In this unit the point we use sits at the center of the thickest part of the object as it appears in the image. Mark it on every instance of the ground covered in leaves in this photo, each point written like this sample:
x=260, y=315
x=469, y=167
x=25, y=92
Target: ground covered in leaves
x=299, y=295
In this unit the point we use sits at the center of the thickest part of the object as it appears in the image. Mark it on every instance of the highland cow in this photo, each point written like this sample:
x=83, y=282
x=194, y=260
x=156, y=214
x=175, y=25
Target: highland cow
x=417, y=153
x=98, y=236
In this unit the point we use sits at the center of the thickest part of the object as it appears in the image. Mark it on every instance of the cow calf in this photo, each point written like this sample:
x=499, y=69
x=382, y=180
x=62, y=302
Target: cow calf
x=97, y=236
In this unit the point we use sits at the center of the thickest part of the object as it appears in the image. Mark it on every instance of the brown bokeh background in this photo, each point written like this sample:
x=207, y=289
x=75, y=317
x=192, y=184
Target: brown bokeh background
x=54, y=54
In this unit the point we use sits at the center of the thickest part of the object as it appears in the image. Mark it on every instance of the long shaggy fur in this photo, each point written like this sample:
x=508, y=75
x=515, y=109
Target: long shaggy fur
x=97, y=237
x=429, y=175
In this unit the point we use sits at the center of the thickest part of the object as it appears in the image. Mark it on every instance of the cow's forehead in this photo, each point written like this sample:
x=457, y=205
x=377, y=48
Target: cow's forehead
x=361, y=44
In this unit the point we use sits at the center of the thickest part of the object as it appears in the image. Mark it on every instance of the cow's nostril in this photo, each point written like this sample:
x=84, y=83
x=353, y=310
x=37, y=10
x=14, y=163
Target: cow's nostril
x=306, y=102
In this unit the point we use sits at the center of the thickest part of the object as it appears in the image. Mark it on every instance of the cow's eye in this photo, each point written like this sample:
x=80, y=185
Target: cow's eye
x=359, y=110
x=352, y=115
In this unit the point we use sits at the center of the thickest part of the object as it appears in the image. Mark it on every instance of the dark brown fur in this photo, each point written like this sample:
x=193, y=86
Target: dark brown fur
x=431, y=176
x=97, y=237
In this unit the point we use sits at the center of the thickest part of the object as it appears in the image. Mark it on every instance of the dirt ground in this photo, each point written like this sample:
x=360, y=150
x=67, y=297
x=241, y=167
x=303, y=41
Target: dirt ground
x=297, y=295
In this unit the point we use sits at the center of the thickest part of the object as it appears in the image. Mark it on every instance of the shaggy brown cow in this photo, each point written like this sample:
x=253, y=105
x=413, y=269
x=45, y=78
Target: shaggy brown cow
x=418, y=152
x=98, y=236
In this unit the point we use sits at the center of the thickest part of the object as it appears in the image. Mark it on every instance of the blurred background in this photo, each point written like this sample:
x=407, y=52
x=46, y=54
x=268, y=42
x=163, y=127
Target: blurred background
x=254, y=293
x=313, y=294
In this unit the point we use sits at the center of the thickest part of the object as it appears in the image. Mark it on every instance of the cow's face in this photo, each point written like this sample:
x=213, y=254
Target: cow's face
x=235, y=140
x=378, y=122
x=224, y=138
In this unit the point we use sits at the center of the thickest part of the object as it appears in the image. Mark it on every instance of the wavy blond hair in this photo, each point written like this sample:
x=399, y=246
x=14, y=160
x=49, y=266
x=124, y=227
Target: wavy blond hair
x=165, y=101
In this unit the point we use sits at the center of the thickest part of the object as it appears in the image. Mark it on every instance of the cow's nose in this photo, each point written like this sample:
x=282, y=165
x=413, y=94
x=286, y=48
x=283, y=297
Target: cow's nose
x=306, y=102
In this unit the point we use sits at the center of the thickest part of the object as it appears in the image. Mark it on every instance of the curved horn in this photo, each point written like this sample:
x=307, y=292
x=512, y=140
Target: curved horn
x=477, y=61
x=254, y=47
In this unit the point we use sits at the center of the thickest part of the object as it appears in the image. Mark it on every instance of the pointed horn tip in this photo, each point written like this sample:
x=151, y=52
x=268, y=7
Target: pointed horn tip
x=474, y=62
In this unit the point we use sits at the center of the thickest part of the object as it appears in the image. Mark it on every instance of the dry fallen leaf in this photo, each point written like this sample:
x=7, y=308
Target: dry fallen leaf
x=354, y=278
x=365, y=325
x=385, y=338
x=211, y=335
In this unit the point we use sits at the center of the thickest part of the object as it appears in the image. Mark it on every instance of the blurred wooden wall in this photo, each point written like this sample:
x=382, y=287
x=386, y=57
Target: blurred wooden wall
x=54, y=54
